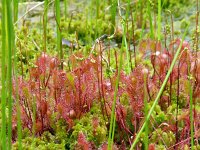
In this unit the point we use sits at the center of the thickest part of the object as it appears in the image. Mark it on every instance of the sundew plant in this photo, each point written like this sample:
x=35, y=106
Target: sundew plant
x=99, y=75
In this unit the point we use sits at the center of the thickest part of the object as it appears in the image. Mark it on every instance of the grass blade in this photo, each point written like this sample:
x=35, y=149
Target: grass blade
x=45, y=24
x=10, y=42
x=3, y=77
x=150, y=20
x=159, y=20
x=59, y=48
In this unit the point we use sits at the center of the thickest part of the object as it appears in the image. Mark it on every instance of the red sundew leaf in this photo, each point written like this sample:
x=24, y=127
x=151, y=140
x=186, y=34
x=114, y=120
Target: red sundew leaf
x=158, y=46
x=53, y=63
x=104, y=146
x=151, y=147
x=34, y=73
x=38, y=126
x=43, y=107
x=83, y=143
x=43, y=63
x=95, y=122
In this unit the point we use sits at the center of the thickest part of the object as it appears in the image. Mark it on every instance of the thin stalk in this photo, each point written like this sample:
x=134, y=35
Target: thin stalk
x=150, y=20
x=97, y=17
x=45, y=24
x=143, y=26
x=141, y=21
x=172, y=36
x=113, y=117
x=10, y=42
x=127, y=27
x=146, y=141
x=113, y=130
x=19, y=127
x=197, y=26
x=3, y=78
x=101, y=80
x=191, y=108
x=159, y=20
x=177, y=103
x=65, y=3
x=133, y=30
x=159, y=93
x=59, y=48
x=15, y=9
x=129, y=48
x=34, y=115
x=113, y=13
x=123, y=23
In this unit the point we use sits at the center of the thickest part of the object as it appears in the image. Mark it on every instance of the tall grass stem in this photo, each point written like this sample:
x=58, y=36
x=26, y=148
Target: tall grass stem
x=3, y=78
x=150, y=20
x=159, y=20
x=113, y=117
x=45, y=24
x=59, y=48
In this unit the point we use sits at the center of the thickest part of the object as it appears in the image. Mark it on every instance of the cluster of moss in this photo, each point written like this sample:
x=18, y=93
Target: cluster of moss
x=96, y=133
x=30, y=143
x=54, y=140
x=87, y=28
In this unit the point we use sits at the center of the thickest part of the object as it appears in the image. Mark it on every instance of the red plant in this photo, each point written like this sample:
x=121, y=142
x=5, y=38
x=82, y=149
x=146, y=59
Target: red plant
x=51, y=90
x=83, y=144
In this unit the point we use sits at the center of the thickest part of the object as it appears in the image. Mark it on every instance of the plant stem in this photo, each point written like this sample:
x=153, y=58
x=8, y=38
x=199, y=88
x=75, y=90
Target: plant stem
x=97, y=17
x=59, y=48
x=191, y=107
x=113, y=117
x=45, y=24
x=65, y=3
x=123, y=23
x=113, y=13
x=146, y=111
x=10, y=45
x=3, y=78
x=19, y=127
x=15, y=10
x=150, y=20
x=159, y=20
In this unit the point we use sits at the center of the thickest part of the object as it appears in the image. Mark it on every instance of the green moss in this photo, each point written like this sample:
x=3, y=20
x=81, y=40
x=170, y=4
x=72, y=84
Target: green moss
x=162, y=138
x=94, y=133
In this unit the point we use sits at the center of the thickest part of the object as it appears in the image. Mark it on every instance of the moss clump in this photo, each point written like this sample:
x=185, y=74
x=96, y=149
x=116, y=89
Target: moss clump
x=160, y=137
x=92, y=125
x=55, y=138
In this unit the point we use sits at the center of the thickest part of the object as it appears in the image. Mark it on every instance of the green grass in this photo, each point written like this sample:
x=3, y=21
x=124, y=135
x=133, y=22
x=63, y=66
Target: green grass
x=159, y=20
x=113, y=115
x=7, y=52
x=58, y=16
x=3, y=77
x=150, y=20
x=45, y=24
x=146, y=138
x=19, y=127
x=191, y=108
